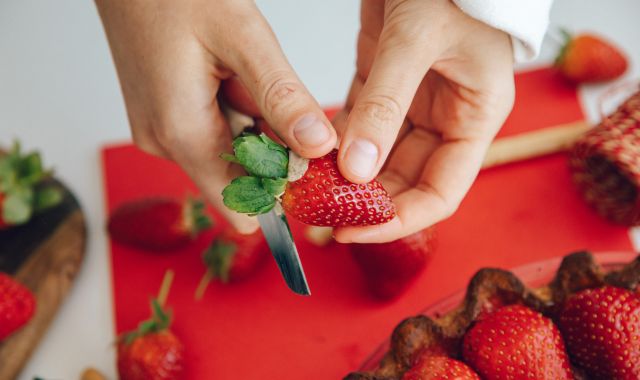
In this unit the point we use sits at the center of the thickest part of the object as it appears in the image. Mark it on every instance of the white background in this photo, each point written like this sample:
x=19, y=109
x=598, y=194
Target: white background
x=59, y=93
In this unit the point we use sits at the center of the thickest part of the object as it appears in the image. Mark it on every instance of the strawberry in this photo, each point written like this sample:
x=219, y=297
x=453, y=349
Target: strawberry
x=158, y=224
x=430, y=367
x=390, y=268
x=515, y=342
x=313, y=190
x=602, y=330
x=233, y=257
x=587, y=58
x=25, y=188
x=152, y=351
x=17, y=305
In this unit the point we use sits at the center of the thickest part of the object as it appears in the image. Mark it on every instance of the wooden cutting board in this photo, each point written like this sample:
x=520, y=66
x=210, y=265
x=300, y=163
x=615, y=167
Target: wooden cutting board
x=45, y=255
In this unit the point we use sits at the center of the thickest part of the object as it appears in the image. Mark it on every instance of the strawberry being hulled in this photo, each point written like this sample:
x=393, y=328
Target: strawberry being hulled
x=313, y=190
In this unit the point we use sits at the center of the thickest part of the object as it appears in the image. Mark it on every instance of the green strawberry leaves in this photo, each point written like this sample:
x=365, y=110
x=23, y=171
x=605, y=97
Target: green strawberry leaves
x=23, y=185
x=218, y=259
x=260, y=156
x=266, y=162
x=160, y=320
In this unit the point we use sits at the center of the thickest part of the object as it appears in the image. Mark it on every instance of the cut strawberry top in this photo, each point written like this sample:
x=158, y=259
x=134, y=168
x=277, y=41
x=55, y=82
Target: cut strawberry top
x=317, y=194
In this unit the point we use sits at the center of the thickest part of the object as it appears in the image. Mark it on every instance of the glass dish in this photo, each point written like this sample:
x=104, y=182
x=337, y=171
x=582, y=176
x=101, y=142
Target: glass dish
x=533, y=275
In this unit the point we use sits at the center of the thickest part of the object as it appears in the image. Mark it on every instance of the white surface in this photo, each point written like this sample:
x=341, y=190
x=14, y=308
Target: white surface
x=58, y=92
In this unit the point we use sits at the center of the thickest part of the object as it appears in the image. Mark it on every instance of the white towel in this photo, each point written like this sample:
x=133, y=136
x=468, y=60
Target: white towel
x=525, y=20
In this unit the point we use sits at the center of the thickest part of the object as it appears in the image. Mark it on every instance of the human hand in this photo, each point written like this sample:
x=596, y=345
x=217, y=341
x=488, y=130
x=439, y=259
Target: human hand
x=431, y=90
x=171, y=57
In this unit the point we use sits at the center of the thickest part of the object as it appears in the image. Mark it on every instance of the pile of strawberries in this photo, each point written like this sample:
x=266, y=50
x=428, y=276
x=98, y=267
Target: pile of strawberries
x=584, y=325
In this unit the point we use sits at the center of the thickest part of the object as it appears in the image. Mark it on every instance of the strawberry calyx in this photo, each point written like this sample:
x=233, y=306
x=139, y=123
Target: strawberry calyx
x=160, y=320
x=267, y=164
x=218, y=259
x=195, y=218
x=23, y=187
x=567, y=39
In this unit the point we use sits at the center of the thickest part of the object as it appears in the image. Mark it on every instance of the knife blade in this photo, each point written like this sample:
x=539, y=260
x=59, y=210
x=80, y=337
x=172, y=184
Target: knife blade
x=278, y=235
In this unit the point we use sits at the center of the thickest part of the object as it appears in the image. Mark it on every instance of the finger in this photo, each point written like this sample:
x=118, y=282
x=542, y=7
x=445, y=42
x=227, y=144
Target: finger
x=190, y=126
x=446, y=178
x=238, y=97
x=380, y=108
x=283, y=100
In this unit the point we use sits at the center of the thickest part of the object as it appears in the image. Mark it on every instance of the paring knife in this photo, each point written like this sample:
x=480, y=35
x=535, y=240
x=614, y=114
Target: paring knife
x=276, y=230
x=274, y=224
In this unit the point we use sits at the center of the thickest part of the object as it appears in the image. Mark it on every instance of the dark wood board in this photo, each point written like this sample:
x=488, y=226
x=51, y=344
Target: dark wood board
x=44, y=255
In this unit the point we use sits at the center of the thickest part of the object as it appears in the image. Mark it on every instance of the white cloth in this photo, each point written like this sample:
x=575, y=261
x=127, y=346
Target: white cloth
x=525, y=20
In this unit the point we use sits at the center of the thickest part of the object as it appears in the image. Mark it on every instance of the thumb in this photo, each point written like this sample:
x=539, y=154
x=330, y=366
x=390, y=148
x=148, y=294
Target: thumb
x=282, y=99
x=381, y=106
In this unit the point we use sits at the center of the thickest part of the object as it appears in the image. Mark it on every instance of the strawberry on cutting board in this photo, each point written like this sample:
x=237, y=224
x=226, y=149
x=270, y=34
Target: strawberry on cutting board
x=233, y=257
x=430, y=367
x=158, y=224
x=313, y=191
x=24, y=189
x=602, y=330
x=152, y=351
x=390, y=268
x=17, y=305
x=515, y=342
x=587, y=58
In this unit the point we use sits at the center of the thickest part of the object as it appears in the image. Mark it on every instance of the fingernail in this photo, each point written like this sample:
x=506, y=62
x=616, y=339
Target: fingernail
x=361, y=158
x=311, y=131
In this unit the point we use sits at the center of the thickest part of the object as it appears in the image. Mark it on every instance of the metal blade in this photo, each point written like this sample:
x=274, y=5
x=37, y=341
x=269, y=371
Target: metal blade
x=276, y=230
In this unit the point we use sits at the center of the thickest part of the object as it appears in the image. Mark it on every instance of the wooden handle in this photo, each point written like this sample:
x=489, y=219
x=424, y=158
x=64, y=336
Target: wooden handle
x=534, y=144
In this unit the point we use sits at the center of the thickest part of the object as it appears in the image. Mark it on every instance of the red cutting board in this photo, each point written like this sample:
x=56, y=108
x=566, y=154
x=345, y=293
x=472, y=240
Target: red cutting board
x=260, y=330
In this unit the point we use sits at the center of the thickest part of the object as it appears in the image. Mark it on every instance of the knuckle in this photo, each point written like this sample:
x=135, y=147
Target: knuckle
x=280, y=92
x=380, y=110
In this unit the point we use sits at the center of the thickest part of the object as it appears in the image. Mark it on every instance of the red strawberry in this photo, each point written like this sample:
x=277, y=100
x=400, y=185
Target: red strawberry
x=439, y=368
x=515, y=342
x=233, y=257
x=17, y=305
x=587, y=58
x=152, y=351
x=313, y=191
x=24, y=187
x=390, y=268
x=158, y=224
x=602, y=330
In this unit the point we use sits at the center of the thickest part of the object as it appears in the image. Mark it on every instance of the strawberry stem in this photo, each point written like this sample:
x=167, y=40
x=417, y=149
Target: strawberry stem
x=202, y=285
x=163, y=293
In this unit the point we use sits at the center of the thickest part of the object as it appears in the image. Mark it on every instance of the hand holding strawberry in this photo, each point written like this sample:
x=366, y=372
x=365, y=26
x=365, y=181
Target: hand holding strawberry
x=313, y=190
x=23, y=190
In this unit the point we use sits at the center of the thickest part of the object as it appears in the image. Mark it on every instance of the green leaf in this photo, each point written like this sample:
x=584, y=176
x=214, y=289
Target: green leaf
x=247, y=195
x=16, y=208
x=219, y=258
x=260, y=156
x=274, y=187
x=47, y=197
x=30, y=169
